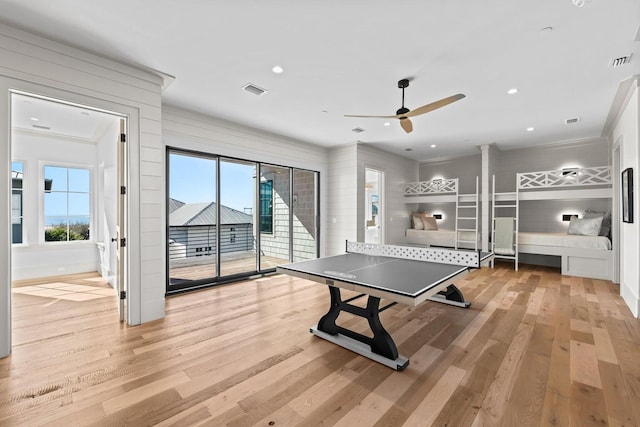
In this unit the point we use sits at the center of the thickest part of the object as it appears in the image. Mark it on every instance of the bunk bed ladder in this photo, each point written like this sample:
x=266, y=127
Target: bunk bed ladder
x=467, y=218
x=504, y=229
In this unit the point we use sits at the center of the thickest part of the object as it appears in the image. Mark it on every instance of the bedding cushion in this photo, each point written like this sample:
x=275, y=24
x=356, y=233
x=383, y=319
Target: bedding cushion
x=585, y=226
x=417, y=223
x=605, y=228
x=429, y=223
x=418, y=215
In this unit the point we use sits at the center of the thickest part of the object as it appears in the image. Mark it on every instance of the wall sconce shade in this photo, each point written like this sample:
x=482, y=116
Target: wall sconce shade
x=437, y=216
x=567, y=217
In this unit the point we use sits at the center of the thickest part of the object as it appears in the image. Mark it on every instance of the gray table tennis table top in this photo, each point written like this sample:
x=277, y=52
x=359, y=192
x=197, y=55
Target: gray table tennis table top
x=397, y=279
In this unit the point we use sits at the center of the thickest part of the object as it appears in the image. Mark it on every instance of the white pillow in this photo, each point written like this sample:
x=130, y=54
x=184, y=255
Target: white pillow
x=585, y=226
x=417, y=223
x=605, y=228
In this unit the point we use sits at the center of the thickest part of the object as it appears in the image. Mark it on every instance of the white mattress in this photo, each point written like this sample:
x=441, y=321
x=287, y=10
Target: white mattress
x=564, y=240
x=441, y=238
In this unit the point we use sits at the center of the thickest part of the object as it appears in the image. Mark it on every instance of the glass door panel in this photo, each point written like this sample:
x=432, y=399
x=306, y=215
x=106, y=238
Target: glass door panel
x=305, y=214
x=192, y=220
x=275, y=216
x=237, y=212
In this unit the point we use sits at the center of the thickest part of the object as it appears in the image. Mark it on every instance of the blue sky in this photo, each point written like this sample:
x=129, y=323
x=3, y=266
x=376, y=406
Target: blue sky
x=193, y=180
x=70, y=195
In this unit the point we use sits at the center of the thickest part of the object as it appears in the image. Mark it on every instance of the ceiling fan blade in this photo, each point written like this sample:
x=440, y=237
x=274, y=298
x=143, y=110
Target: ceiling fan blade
x=406, y=125
x=374, y=117
x=434, y=105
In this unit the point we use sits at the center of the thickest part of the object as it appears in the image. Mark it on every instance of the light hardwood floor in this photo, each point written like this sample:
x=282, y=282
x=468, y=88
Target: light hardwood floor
x=535, y=349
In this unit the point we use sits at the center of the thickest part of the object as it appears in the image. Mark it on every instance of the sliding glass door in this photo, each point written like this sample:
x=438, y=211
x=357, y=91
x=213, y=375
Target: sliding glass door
x=275, y=216
x=191, y=207
x=231, y=218
x=236, y=219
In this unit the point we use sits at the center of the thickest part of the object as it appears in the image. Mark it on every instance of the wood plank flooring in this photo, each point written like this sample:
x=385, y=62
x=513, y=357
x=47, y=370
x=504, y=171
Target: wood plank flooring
x=535, y=349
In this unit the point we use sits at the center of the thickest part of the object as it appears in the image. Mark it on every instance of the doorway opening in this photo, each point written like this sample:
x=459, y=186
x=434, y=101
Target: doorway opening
x=373, y=206
x=67, y=197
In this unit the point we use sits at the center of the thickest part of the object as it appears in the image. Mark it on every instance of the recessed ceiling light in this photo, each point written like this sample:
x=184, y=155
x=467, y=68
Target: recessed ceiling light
x=512, y=91
x=277, y=69
x=34, y=119
x=433, y=146
x=578, y=3
x=387, y=124
x=530, y=129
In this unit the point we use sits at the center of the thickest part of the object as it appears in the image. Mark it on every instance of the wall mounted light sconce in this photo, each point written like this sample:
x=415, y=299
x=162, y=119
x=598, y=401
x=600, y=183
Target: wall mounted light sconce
x=567, y=217
x=569, y=172
x=437, y=216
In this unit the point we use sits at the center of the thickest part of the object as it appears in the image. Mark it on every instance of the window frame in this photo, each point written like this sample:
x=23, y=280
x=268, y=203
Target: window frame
x=92, y=202
x=22, y=203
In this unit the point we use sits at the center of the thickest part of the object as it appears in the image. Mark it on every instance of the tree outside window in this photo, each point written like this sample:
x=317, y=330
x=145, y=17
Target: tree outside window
x=67, y=204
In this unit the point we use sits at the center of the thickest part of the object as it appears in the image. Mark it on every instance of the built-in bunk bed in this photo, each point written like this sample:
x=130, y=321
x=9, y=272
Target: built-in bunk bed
x=424, y=229
x=585, y=247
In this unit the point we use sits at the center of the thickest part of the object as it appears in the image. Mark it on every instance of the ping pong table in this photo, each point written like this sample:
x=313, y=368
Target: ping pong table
x=400, y=274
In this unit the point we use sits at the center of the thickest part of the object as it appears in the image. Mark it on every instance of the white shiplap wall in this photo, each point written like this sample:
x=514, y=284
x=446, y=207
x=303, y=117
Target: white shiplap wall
x=37, y=65
x=398, y=171
x=189, y=130
x=626, y=133
x=342, y=203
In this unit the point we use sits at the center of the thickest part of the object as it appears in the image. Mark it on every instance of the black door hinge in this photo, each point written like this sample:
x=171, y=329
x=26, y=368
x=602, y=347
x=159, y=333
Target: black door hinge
x=123, y=190
x=123, y=137
x=123, y=294
x=123, y=242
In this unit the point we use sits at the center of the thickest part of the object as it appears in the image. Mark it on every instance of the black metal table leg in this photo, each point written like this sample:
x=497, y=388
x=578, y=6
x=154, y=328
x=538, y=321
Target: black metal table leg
x=381, y=344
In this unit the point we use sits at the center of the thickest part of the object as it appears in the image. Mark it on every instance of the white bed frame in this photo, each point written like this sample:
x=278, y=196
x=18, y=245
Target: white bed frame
x=574, y=183
x=447, y=191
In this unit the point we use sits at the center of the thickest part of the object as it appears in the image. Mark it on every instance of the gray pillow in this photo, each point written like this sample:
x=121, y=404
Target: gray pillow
x=585, y=226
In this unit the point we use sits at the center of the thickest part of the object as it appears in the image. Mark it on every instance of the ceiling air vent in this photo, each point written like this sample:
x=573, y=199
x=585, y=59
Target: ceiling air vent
x=357, y=130
x=251, y=88
x=572, y=120
x=617, y=62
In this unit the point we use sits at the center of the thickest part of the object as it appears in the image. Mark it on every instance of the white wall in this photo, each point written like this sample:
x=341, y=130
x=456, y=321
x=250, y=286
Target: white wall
x=35, y=258
x=466, y=169
x=626, y=130
x=193, y=131
x=36, y=65
x=342, y=202
x=588, y=153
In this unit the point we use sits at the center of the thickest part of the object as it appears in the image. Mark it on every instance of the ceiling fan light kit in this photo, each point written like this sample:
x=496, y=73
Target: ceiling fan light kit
x=403, y=113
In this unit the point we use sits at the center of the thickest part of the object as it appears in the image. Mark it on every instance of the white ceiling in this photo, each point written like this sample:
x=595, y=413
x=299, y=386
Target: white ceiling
x=345, y=57
x=43, y=116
